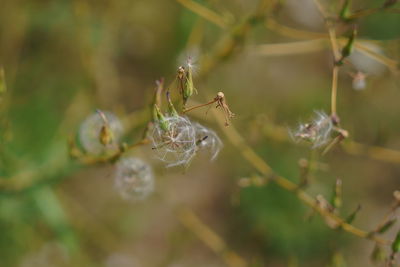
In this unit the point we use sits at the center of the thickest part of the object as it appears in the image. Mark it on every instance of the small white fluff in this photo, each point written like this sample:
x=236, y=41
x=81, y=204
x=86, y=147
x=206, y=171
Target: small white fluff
x=134, y=179
x=89, y=133
x=317, y=132
x=207, y=140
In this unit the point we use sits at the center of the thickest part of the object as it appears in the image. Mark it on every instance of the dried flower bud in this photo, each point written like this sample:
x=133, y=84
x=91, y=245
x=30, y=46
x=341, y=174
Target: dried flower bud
x=100, y=133
x=207, y=140
x=221, y=103
x=176, y=144
x=134, y=179
x=318, y=132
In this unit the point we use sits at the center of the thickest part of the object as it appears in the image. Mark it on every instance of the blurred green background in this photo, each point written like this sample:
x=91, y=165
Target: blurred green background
x=63, y=59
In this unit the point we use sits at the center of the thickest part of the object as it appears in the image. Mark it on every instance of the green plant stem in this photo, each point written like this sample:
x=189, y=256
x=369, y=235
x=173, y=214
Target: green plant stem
x=259, y=164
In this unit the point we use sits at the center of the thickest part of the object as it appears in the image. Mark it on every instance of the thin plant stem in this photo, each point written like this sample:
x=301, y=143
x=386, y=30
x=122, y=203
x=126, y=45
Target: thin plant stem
x=279, y=133
x=258, y=163
x=335, y=74
x=200, y=106
x=336, y=55
x=369, y=11
x=204, y=12
x=287, y=31
x=191, y=221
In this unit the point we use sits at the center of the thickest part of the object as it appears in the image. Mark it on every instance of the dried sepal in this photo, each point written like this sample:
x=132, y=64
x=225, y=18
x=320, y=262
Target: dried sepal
x=221, y=103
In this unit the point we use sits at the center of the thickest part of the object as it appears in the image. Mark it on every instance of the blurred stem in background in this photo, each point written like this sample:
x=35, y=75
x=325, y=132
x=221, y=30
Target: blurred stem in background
x=38, y=178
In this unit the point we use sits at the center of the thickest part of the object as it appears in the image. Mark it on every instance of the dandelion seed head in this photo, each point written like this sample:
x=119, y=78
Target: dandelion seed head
x=317, y=132
x=177, y=145
x=90, y=131
x=134, y=179
x=208, y=141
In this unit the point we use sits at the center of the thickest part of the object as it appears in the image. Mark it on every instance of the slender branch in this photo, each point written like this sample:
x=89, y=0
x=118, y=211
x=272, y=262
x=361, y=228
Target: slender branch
x=290, y=48
x=257, y=162
x=363, y=12
x=90, y=160
x=369, y=11
x=279, y=133
x=201, y=105
x=189, y=219
x=284, y=30
x=335, y=74
x=359, y=45
x=204, y=12
x=393, y=65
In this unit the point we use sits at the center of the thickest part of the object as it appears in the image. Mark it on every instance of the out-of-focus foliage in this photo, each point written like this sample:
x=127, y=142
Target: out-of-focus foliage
x=65, y=59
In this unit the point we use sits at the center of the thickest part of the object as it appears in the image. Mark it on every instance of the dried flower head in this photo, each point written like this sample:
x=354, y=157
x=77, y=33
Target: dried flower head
x=221, y=103
x=318, y=131
x=100, y=133
x=134, y=178
x=174, y=140
x=207, y=140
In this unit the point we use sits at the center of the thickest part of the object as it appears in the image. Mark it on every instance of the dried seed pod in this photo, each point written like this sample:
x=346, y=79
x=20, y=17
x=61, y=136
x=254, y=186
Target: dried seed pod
x=100, y=133
x=134, y=178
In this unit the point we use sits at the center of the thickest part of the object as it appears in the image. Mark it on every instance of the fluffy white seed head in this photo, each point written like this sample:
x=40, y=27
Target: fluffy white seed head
x=359, y=81
x=90, y=133
x=318, y=131
x=176, y=145
x=134, y=179
x=207, y=140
